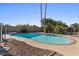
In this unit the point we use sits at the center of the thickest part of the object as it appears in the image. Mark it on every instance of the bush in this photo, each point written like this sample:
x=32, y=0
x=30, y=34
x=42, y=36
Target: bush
x=23, y=30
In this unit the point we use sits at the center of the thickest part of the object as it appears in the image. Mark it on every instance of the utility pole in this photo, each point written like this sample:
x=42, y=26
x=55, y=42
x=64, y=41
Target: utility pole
x=5, y=31
x=1, y=34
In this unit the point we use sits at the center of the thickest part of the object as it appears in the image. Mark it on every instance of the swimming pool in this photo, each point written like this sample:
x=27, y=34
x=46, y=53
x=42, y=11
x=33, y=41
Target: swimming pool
x=51, y=39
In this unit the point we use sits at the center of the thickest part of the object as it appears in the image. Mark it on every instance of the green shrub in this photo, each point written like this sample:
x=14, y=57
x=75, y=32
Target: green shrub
x=24, y=30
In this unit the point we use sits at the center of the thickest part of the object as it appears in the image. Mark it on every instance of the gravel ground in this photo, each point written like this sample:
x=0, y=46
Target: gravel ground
x=19, y=48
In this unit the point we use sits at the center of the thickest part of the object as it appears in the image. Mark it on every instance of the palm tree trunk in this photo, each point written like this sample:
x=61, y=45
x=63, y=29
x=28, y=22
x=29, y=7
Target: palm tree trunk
x=45, y=10
x=41, y=16
x=41, y=13
x=45, y=14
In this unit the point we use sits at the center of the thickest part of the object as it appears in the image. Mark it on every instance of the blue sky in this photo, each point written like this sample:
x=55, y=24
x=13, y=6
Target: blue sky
x=29, y=13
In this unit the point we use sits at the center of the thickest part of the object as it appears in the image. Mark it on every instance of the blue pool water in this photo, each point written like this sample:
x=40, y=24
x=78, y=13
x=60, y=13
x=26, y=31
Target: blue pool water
x=51, y=39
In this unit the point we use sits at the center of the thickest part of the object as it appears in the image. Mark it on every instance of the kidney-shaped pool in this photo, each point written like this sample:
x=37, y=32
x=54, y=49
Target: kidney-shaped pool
x=51, y=39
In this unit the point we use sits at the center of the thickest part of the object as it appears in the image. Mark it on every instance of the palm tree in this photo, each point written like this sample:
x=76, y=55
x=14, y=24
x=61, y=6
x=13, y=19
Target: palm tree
x=75, y=26
x=41, y=12
x=45, y=10
x=44, y=14
x=47, y=24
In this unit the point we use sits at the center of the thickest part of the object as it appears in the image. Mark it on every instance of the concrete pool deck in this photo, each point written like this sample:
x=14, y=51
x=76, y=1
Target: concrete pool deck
x=66, y=50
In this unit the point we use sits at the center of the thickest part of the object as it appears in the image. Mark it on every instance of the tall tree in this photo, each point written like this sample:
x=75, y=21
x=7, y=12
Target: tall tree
x=45, y=10
x=75, y=26
x=44, y=14
x=47, y=24
x=41, y=12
